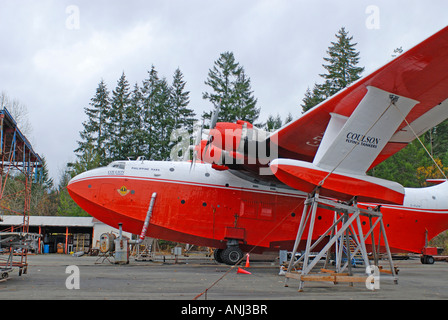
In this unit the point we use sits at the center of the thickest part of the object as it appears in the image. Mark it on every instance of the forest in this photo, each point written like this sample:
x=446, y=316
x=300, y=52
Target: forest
x=129, y=121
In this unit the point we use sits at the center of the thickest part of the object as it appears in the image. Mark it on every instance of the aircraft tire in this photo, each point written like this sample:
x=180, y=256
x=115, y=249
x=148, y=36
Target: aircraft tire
x=217, y=255
x=231, y=255
x=427, y=259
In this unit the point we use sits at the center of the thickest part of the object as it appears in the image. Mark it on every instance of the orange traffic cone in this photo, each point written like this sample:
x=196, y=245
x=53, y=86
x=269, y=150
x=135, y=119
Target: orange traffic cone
x=247, y=261
x=242, y=271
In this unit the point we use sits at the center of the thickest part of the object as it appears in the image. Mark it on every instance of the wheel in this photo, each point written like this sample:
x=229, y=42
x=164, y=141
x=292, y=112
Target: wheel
x=427, y=259
x=217, y=255
x=231, y=255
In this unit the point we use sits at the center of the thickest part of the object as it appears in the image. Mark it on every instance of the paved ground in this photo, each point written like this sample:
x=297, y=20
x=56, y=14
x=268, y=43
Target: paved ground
x=48, y=277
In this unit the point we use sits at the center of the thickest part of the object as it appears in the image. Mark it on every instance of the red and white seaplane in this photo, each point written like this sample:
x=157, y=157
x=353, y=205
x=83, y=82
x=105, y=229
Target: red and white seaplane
x=245, y=190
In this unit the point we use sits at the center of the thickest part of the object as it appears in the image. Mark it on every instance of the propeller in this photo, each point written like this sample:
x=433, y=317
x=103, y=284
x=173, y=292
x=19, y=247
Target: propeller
x=197, y=142
x=213, y=122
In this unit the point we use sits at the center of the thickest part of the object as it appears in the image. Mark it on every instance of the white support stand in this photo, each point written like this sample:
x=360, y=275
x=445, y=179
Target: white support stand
x=346, y=225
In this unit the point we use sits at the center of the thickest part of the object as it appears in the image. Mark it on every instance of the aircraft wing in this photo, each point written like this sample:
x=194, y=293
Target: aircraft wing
x=419, y=75
x=334, y=144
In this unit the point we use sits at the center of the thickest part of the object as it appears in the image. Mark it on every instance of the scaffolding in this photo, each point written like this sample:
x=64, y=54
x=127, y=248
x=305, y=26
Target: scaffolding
x=345, y=237
x=21, y=164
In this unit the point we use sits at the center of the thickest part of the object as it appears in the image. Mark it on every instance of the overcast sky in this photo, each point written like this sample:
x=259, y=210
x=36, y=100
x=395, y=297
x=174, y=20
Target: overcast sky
x=54, y=53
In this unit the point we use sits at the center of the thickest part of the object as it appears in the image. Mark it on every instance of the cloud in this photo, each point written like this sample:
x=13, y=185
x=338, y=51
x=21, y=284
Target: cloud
x=55, y=69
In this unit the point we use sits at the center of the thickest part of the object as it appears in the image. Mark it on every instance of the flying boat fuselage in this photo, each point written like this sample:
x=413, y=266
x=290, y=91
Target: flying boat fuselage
x=209, y=207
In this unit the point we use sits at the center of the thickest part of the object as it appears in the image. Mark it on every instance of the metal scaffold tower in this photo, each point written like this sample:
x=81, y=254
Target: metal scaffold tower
x=18, y=163
x=344, y=238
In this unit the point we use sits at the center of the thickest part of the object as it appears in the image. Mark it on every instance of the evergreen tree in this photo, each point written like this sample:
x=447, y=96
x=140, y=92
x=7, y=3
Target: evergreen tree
x=438, y=139
x=289, y=118
x=149, y=92
x=93, y=135
x=232, y=87
x=402, y=166
x=135, y=140
x=119, y=121
x=313, y=98
x=341, y=69
x=66, y=205
x=273, y=123
x=163, y=121
x=157, y=117
x=44, y=178
x=179, y=100
x=44, y=198
x=184, y=118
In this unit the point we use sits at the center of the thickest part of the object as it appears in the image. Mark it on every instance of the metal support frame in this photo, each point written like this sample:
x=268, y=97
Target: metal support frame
x=346, y=225
x=17, y=157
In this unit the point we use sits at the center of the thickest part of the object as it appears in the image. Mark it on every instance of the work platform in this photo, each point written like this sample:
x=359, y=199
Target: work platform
x=21, y=164
x=345, y=237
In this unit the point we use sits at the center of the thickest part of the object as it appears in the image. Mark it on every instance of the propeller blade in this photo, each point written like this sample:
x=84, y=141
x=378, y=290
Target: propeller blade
x=215, y=115
x=197, y=142
x=213, y=122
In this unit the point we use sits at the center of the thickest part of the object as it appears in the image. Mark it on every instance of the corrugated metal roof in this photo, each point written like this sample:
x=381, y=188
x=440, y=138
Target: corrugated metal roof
x=48, y=221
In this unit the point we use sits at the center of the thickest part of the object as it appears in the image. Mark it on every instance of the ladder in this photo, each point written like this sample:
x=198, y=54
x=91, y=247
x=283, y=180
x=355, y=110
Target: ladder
x=355, y=256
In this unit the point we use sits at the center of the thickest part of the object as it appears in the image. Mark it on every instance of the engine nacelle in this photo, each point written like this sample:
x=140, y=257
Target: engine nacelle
x=219, y=158
x=228, y=136
x=236, y=143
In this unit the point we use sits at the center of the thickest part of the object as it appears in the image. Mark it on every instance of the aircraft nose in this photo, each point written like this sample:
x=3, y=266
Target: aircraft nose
x=75, y=186
x=81, y=186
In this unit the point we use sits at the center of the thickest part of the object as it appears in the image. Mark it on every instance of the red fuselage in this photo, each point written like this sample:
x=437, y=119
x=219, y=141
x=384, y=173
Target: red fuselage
x=207, y=207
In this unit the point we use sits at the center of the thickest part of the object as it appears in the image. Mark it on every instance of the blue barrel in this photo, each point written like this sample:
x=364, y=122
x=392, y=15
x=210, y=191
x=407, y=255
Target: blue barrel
x=46, y=248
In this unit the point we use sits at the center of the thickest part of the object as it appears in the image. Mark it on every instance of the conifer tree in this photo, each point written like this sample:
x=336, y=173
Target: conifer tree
x=179, y=100
x=273, y=123
x=135, y=140
x=289, y=118
x=147, y=113
x=341, y=69
x=44, y=180
x=93, y=135
x=232, y=87
x=313, y=98
x=163, y=121
x=342, y=61
x=118, y=121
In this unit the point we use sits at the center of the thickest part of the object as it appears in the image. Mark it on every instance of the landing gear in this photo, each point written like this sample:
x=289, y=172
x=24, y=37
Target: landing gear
x=425, y=259
x=231, y=255
x=217, y=255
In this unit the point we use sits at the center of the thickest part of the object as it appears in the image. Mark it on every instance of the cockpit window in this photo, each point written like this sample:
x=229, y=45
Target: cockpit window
x=118, y=165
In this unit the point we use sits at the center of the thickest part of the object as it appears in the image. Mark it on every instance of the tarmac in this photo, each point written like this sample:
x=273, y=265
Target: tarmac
x=65, y=277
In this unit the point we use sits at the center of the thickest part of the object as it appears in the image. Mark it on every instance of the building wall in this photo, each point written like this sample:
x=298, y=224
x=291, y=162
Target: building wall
x=99, y=228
